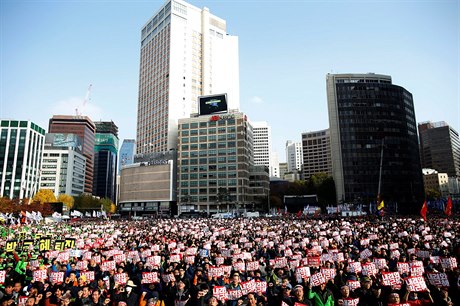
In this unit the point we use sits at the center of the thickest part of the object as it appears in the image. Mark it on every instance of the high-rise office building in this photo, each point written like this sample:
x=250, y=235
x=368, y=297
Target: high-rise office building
x=105, y=160
x=374, y=141
x=440, y=147
x=316, y=153
x=186, y=52
x=294, y=156
x=126, y=153
x=21, y=149
x=84, y=127
x=214, y=158
x=262, y=145
x=63, y=165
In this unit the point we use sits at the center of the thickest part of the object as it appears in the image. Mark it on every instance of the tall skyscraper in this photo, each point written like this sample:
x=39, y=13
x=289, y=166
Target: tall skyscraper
x=63, y=165
x=83, y=127
x=186, y=52
x=126, y=153
x=21, y=149
x=374, y=141
x=294, y=154
x=105, y=160
x=440, y=147
x=262, y=145
x=316, y=147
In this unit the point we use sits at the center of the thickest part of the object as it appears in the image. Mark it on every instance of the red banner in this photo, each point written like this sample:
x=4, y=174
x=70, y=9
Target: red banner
x=150, y=277
x=56, y=277
x=391, y=279
x=416, y=284
x=438, y=279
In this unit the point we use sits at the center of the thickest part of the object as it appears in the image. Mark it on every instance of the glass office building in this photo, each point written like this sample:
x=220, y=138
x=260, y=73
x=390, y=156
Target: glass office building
x=374, y=139
x=440, y=147
x=21, y=150
x=105, y=160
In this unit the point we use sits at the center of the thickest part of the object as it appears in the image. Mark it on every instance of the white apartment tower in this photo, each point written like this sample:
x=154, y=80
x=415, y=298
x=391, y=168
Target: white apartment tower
x=294, y=156
x=185, y=53
x=262, y=145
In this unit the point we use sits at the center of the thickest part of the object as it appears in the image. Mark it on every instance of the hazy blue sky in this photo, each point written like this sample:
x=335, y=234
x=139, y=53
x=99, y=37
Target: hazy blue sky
x=52, y=50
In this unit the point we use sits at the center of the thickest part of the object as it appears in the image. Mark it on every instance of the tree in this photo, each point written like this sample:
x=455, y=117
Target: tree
x=45, y=196
x=113, y=208
x=87, y=201
x=67, y=200
x=106, y=204
x=324, y=188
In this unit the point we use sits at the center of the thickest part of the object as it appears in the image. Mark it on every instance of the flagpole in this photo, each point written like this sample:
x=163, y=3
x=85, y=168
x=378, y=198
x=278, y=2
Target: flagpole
x=380, y=172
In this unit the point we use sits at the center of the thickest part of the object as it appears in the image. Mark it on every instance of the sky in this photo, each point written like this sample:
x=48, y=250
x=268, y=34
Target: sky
x=51, y=51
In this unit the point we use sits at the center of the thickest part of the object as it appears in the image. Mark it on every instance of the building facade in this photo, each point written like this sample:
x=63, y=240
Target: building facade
x=259, y=183
x=316, y=153
x=262, y=145
x=440, y=147
x=294, y=156
x=84, y=127
x=432, y=179
x=63, y=165
x=105, y=160
x=186, y=52
x=148, y=186
x=283, y=170
x=275, y=165
x=374, y=143
x=126, y=153
x=21, y=150
x=214, y=158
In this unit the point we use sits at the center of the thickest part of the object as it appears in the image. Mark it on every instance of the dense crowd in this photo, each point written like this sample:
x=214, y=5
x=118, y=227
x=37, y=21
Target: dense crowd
x=261, y=261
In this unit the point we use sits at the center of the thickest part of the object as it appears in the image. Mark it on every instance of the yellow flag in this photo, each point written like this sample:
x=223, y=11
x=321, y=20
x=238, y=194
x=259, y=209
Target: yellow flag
x=381, y=205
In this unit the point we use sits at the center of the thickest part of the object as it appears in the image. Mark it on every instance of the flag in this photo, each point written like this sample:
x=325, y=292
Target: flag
x=448, y=210
x=299, y=213
x=423, y=211
x=381, y=205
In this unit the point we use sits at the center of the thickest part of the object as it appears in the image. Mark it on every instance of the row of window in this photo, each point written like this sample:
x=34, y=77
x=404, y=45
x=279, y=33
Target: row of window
x=220, y=183
x=211, y=160
x=195, y=139
x=205, y=175
x=204, y=153
x=230, y=167
x=206, y=124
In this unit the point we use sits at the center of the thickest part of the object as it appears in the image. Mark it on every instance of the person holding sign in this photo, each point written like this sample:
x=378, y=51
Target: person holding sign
x=413, y=298
x=320, y=295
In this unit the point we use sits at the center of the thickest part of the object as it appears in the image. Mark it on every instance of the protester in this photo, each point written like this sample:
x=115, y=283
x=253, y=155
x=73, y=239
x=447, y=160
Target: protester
x=262, y=261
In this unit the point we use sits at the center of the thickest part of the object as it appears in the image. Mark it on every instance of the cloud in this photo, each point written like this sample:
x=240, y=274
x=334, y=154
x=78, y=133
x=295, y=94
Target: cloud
x=68, y=107
x=256, y=100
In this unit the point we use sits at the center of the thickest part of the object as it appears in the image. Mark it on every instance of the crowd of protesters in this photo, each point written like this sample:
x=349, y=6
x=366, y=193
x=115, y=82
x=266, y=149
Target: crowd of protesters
x=260, y=261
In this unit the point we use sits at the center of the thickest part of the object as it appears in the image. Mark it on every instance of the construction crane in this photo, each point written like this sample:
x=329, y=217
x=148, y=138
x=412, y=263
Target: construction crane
x=87, y=98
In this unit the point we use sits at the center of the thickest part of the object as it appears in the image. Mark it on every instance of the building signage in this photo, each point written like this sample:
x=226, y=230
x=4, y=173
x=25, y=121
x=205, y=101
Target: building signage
x=222, y=117
x=158, y=162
